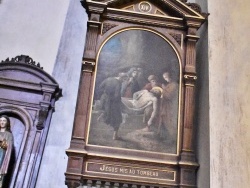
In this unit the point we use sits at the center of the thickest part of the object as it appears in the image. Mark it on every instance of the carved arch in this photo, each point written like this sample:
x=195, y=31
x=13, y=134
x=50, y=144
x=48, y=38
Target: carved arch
x=26, y=64
x=22, y=113
x=174, y=39
x=28, y=92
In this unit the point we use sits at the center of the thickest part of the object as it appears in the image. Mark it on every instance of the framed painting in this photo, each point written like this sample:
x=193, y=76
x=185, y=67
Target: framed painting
x=134, y=120
x=135, y=105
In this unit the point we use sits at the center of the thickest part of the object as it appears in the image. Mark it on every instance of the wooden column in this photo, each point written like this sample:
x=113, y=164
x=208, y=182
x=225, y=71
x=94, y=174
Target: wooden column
x=188, y=162
x=88, y=66
x=76, y=152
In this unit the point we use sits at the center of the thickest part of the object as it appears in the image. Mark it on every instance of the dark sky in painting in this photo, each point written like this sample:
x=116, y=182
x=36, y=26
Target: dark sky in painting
x=136, y=48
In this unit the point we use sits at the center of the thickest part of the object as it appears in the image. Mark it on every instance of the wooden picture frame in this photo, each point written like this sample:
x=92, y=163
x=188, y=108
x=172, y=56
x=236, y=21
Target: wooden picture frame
x=129, y=129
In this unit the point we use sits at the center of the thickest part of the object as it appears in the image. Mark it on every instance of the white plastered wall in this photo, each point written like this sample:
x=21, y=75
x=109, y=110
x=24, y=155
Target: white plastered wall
x=229, y=93
x=33, y=28
x=52, y=33
x=66, y=71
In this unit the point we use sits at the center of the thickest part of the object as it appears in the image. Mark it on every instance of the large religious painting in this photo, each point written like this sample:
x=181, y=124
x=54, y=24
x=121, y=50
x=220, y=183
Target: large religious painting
x=134, y=123
x=136, y=94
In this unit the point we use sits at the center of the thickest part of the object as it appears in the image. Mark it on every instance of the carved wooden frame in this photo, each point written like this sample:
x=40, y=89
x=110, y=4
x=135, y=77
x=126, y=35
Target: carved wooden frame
x=28, y=93
x=179, y=23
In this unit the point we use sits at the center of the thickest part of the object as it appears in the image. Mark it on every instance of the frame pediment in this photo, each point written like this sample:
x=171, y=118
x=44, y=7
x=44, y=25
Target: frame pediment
x=176, y=14
x=172, y=8
x=25, y=67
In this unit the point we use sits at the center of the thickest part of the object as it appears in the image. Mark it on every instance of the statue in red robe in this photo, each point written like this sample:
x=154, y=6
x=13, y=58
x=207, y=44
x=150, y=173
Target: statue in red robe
x=6, y=144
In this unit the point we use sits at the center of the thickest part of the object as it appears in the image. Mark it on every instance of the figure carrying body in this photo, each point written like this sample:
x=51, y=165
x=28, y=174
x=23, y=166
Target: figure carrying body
x=6, y=145
x=111, y=102
x=169, y=105
x=130, y=86
x=141, y=78
x=153, y=82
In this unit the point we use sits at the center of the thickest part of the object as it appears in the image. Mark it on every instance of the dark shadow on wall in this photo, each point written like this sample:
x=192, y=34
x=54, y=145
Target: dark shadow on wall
x=202, y=106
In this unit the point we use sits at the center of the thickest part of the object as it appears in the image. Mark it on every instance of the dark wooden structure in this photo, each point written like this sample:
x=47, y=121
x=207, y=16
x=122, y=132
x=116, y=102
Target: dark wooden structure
x=175, y=20
x=27, y=96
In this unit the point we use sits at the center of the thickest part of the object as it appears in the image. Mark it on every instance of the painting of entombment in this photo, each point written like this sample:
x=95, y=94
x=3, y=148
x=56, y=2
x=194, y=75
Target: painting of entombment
x=136, y=95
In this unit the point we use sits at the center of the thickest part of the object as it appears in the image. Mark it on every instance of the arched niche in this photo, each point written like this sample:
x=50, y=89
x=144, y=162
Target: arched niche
x=28, y=95
x=18, y=131
x=21, y=123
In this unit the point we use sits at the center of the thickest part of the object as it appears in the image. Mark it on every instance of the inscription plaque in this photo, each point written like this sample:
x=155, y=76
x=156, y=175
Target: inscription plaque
x=131, y=171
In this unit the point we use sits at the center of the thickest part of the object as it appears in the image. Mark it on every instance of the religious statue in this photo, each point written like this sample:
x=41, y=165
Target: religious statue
x=6, y=144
